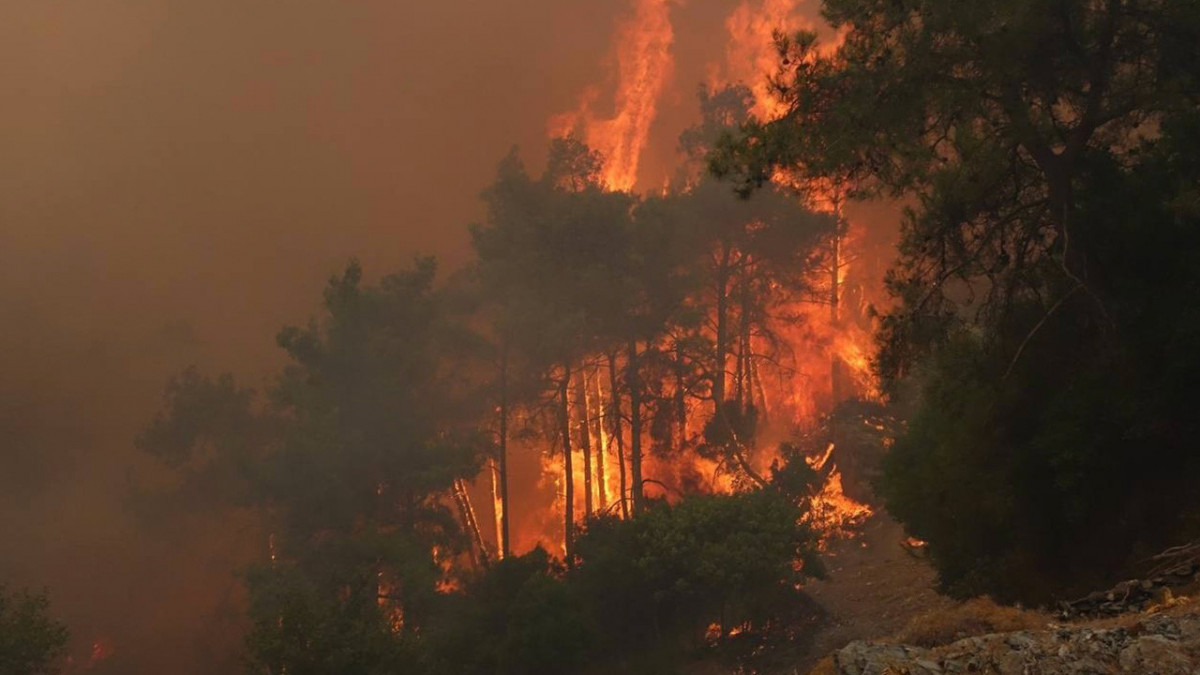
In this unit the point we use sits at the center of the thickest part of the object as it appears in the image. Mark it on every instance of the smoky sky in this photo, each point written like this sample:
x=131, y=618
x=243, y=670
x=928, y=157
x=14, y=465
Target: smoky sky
x=178, y=178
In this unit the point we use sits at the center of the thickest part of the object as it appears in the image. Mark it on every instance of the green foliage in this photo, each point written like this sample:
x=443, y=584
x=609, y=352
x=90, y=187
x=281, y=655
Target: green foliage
x=299, y=625
x=210, y=433
x=1047, y=273
x=1054, y=474
x=387, y=401
x=31, y=641
x=549, y=630
x=554, y=254
x=714, y=554
x=518, y=617
x=201, y=414
x=642, y=595
x=349, y=457
x=722, y=559
x=374, y=422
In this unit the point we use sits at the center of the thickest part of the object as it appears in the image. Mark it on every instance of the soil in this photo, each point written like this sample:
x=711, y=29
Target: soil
x=874, y=587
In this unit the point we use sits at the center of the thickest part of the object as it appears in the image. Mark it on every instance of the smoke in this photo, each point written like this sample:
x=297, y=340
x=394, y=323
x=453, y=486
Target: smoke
x=178, y=181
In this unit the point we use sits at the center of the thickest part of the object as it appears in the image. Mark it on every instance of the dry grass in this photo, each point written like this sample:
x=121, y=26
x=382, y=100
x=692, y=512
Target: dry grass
x=978, y=616
x=824, y=667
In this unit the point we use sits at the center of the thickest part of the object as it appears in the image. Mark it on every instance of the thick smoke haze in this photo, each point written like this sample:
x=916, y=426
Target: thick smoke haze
x=177, y=181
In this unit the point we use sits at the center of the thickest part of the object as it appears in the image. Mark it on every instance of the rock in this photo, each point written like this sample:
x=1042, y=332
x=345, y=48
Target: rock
x=863, y=658
x=1130, y=596
x=1166, y=643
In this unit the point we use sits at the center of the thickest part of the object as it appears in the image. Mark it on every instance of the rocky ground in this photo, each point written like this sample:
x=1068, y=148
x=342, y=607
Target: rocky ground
x=882, y=616
x=1162, y=641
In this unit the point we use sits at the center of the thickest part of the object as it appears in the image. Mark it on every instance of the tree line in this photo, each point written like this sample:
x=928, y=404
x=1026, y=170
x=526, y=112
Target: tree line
x=604, y=326
x=1041, y=350
x=1043, y=345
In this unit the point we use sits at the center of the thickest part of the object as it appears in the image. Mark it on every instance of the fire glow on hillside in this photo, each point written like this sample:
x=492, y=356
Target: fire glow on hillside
x=815, y=354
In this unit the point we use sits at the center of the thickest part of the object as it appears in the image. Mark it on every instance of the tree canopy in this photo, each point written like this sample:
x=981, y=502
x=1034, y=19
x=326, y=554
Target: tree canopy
x=31, y=641
x=1040, y=148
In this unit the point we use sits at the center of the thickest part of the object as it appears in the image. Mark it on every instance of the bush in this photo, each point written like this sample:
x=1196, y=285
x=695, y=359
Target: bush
x=641, y=595
x=1053, y=474
x=30, y=641
x=519, y=617
x=711, y=559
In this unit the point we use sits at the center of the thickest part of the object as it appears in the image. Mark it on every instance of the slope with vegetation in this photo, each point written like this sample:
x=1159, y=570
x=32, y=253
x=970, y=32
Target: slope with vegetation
x=1043, y=344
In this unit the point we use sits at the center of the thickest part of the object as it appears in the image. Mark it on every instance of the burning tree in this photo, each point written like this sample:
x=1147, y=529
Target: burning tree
x=1042, y=153
x=553, y=260
x=674, y=339
x=667, y=331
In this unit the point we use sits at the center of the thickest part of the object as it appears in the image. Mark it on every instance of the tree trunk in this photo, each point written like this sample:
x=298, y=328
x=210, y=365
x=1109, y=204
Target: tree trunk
x=764, y=408
x=585, y=444
x=635, y=424
x=600, y=438
x=564, y=420
x=493, y=469
x=614, y=414
x=503, y=458
x=835, y=268
x=744, y=394
x=468, y=515
x=680, y=400
x=722, y=341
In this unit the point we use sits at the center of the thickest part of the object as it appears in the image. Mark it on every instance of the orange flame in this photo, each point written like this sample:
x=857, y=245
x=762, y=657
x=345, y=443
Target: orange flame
x=831, y=349
x=644, y=64
x=751, y=55
x=831, y=513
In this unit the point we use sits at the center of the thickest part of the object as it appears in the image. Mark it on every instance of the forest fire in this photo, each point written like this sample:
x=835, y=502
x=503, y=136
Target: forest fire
x=807, y=351
x=548, y=337
x=644, y=61
x=831, y=513
x=751, y=51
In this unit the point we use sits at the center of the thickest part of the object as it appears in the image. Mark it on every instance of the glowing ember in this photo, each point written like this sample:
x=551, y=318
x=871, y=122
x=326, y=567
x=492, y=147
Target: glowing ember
x=388, y=604
x=100, y=650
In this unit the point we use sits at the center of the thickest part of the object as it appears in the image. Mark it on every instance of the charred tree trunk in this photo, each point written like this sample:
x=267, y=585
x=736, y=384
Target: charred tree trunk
x=744, y=394
x=614, y=415
x=502, y=458
x=764, y=407
x=468, y=515
x=583, y=433
x=497, y=508
x=599, y=438
x=680, y=400
x=564, y=421
x=835, y=269
x=633, y=378
x=722, y=341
